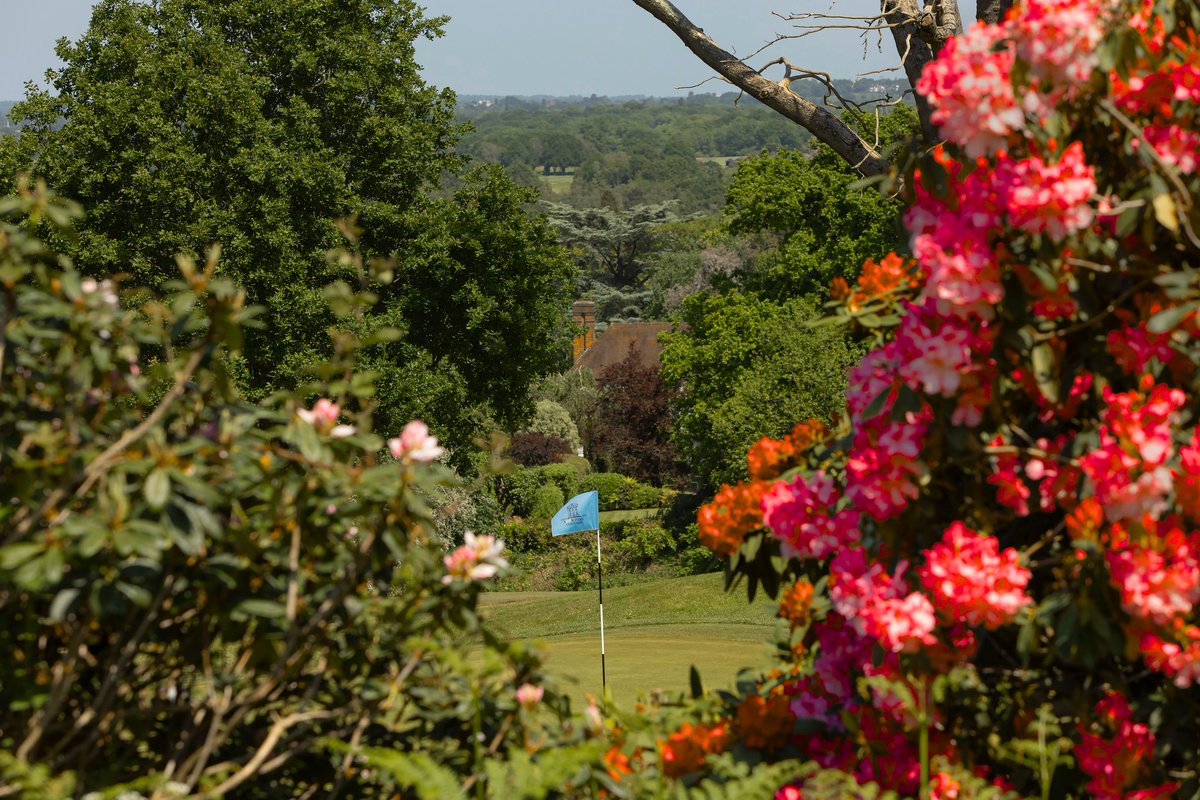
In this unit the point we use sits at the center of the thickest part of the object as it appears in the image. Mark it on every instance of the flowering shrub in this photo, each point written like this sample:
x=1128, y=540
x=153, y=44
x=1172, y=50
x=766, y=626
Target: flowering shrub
x=202, y=596
x=990, y=568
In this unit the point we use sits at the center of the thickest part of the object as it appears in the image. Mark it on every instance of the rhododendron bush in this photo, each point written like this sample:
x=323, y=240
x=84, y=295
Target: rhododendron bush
x=202, y=596
x=991, y=566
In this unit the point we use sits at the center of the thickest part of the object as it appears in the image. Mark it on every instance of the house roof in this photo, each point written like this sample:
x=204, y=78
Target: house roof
x=613, y=345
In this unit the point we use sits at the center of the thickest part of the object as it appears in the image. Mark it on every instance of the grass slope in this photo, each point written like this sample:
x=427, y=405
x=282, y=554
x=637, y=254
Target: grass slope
x=636, y=513
x=653, y=633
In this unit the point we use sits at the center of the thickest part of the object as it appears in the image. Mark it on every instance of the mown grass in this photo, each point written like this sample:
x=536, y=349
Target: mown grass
x=653, y=633
x=558, y=184
x=635, y=513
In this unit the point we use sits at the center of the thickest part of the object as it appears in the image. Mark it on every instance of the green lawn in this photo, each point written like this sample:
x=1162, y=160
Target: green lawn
x=653, y=633
x=636, y=513
x=557, y=184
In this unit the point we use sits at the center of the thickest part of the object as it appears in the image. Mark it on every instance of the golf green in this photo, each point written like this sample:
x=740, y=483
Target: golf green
x=654, y=633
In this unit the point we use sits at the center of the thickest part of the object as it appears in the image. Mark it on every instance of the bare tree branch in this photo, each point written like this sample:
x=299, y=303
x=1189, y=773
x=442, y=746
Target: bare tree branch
x=778, y=96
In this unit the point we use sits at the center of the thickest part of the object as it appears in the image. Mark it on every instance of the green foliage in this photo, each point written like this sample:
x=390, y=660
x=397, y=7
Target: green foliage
x=634, y=152
x=610, y=244
x=745, y=368
x=564, y=476
x=188, y=123
x=551, y=419
x=575, y=391
x=826, y=229
x=197, y=592
x=547, y=500
x=619, y=492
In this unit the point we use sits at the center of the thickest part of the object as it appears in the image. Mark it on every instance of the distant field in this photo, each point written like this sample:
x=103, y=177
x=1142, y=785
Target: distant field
x=558, y=184
x=653, y=633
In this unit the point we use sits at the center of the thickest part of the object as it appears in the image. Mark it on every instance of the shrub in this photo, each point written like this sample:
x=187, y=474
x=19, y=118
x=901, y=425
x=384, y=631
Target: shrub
x=551, y=419
x=638, y=495
x=214, y=597
x=619, y=492
x=990, y=569
x=564, y=476
x=607, y=485
x=546, y=501
x=641, y=541
x=525, y=536
x=537, y=449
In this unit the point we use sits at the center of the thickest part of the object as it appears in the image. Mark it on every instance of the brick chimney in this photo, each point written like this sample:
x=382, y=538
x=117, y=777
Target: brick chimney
x=583, y=312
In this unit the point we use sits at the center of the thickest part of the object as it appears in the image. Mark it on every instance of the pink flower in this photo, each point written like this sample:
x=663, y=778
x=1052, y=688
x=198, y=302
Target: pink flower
x=972, y=581
x=1127, y=469
x=1114, y=764
x=936, y=352
x=801, y=515
x=477, y=559
x=1181, y=663
x=883, y=465
x=1175, y=145
x=964, y=277
x=971, y=92
x=414, y=444
x=323, y=416
x=529, y=695
x=1058, y=38
x=901, y=625
x=1159, y=581
x=1048, y=198
x=873, y=376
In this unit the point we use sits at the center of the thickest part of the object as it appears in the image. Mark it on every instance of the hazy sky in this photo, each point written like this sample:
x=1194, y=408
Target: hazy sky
x=561, y=47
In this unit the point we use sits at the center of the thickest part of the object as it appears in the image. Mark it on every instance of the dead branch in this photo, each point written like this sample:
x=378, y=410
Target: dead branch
x=822, y=124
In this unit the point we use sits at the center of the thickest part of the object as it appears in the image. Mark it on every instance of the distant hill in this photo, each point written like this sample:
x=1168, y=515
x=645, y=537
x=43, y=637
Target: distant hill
x=857, y=91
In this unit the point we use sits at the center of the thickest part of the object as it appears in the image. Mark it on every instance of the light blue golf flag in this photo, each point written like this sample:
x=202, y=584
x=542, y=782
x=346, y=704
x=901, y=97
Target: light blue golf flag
x=581, y=513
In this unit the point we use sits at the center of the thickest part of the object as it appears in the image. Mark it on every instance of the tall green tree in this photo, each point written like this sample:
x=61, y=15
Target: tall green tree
x=612, y=244
x=744, y=368
x=825, y=226
x=255, y=124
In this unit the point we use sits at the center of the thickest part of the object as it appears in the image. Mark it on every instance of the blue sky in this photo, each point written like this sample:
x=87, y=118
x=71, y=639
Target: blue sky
x=559, y=47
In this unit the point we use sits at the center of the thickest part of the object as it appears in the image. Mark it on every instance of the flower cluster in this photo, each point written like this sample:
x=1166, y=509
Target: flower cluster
x=324, y=417
x=685, y=750
x=415, y=445
x=477, y=559
x=971, y=580
x=736, y=511
x=769, y=458
x=1114, y=762
x=802, y=515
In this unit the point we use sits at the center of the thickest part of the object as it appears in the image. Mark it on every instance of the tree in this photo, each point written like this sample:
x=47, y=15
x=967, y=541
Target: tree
x=633, y=422
x=561, y=150
x=552, y=419
x=256, y=124
x=826, y=226
x=744, y=368
x=919, y=32
x=613, y=243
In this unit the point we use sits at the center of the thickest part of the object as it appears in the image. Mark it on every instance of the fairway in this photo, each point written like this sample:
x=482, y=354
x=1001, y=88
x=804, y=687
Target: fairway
x=653, y=633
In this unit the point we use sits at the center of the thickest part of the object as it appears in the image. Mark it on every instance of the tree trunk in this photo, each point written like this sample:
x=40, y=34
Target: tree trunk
x=992, y=11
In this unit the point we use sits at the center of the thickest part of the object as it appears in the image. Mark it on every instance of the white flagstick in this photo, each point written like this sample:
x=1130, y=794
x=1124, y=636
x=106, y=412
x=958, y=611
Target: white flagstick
x=600, y=581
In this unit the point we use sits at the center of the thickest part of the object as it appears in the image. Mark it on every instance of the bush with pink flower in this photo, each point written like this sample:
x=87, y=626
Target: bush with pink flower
x=1002, y=533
